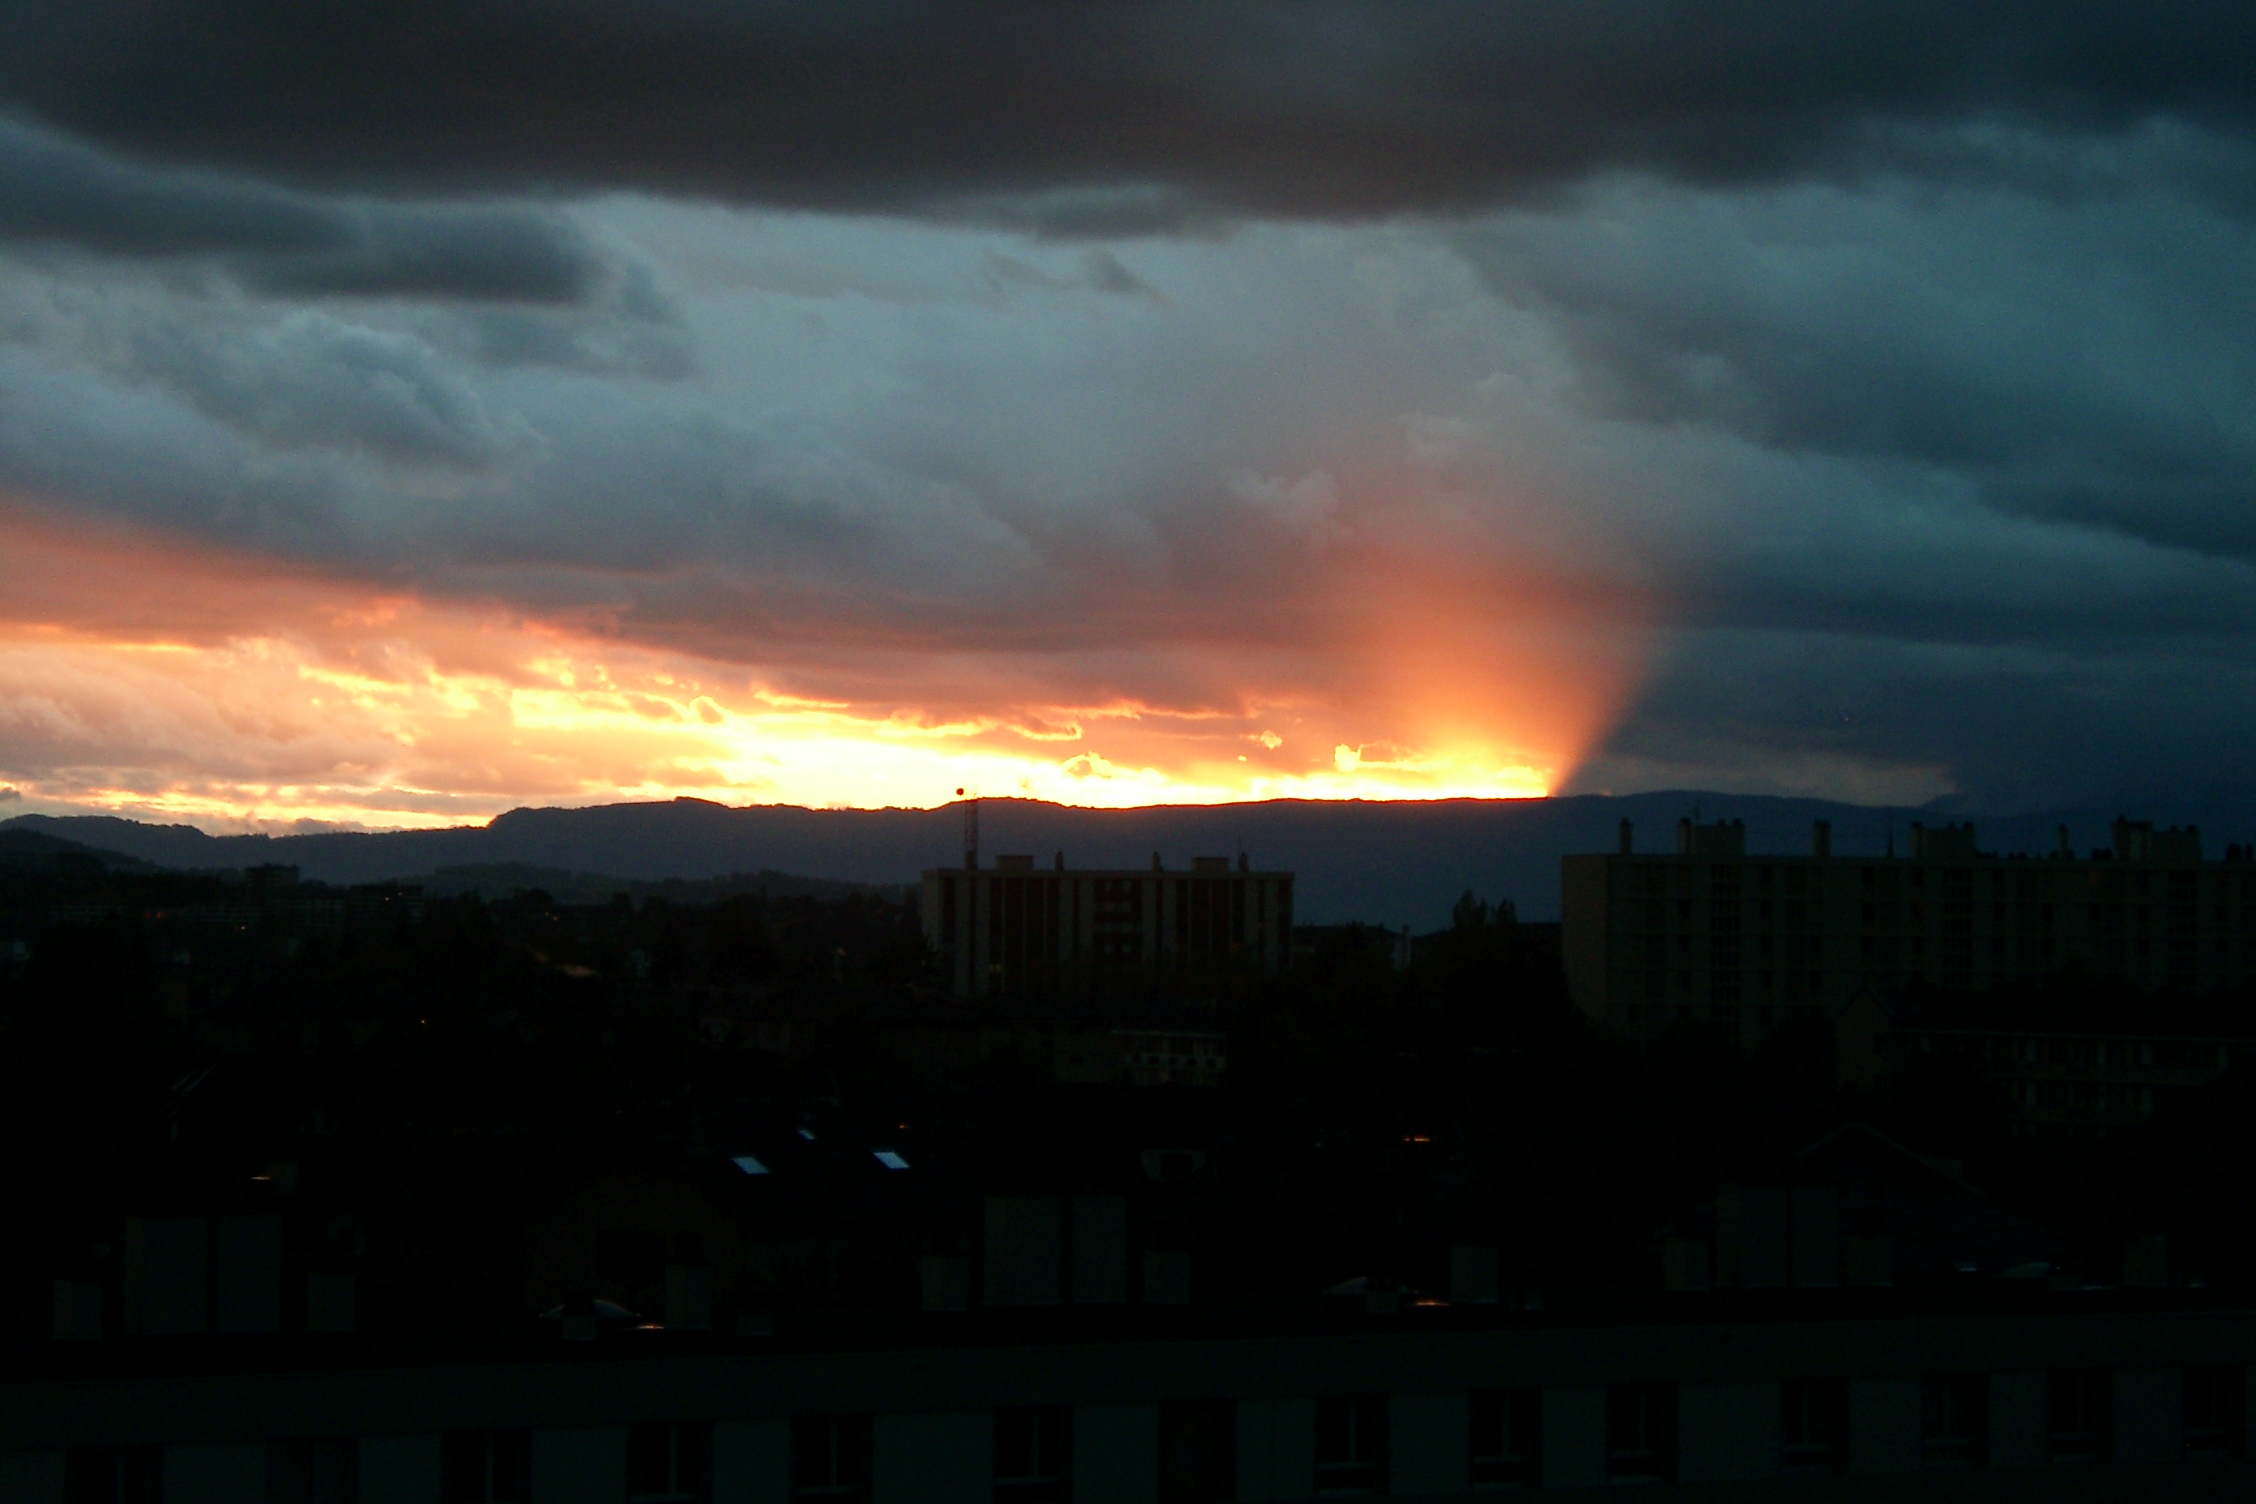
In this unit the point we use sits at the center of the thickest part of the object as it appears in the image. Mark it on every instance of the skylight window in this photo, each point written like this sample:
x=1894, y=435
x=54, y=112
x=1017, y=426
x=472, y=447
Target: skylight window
x=890, y=1160
x=749, y=1165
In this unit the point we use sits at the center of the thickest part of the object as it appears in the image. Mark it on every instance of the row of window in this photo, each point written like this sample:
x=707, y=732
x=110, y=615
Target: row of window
x=1954, y=1421
x=2087, y=1096
x=2082, y=1051
x=1726, y=915
x=1724, y=951
x=1726, y=880
x=672, y=1463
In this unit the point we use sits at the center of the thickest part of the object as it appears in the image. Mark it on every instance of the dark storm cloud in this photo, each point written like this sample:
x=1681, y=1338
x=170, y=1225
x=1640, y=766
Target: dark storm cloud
x=1857, y=716
x=2086, y=369
x=1164, y=110
x=1892, y=356
x=500, y=255
x=57, y=191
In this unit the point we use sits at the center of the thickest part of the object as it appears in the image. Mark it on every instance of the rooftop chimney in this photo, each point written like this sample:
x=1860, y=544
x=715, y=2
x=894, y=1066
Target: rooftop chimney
x=1821, y=838
x=1625, y=835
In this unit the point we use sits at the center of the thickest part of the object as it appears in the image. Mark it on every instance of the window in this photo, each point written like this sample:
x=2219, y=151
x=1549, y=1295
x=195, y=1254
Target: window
x=486, y=1467
x=1351, y=1437
x=313, y=1470
x=1954, y=1419
x=1814, y=1425
x=114, y=1475
x=830, y=1457
x=1640, y=1431
x=1198, y=1452
x=2076, y=1414
x=1034, y=1455
x=669, y=1463
x=2216, y=1411
x=1507, y=1437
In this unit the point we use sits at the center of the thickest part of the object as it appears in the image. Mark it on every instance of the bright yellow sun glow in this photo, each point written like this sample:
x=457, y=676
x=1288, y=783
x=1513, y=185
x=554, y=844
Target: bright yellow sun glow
x=268, y=733
x=142, y=683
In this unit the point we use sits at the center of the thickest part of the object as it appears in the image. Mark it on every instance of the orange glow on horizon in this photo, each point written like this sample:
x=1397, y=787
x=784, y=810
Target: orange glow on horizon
x=145, y=678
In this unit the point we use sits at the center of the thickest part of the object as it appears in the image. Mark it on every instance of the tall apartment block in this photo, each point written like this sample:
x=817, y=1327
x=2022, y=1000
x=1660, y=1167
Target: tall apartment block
x=1710, y=932
x=1014, y=931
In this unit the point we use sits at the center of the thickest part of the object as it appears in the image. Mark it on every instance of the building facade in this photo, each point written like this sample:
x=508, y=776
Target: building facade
x=1710, y=932
x=2141, y=1404
x=1019, y=933
x=2076, y=1085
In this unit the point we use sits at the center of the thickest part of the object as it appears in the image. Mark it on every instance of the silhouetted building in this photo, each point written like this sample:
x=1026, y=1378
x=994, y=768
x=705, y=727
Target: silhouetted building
x=1709, y=932
x=1014, y=931
x=2070, y=1083
x=711, y=1241
x=1891, y=1404
x=1857, y=1210
x=1171, y=1057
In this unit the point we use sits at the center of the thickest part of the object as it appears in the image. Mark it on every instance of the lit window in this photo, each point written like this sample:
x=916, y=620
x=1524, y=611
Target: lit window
x=749, y=1165
x=890, y=1160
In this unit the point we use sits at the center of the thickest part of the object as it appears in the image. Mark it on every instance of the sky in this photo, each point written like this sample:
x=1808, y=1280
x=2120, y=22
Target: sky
x=410, y=411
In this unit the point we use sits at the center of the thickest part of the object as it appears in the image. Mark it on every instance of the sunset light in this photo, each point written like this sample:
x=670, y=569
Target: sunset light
x=923, y=753
x=207, y=686
x=444, y=716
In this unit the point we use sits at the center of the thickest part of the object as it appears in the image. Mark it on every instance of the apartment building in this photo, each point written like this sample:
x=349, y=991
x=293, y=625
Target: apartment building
x=1708, y=931
x=1019, y=933
x=2084, y=1085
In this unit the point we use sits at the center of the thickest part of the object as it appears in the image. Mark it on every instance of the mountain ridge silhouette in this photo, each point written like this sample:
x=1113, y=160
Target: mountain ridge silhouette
x=1385, y=862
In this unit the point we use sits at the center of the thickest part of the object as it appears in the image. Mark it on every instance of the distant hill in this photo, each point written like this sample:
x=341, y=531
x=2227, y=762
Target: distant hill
x=501, y=879
x=1385, y=862
x=22, y=847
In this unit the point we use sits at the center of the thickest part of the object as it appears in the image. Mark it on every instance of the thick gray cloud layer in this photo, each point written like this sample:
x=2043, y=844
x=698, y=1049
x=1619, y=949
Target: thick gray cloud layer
x=60, y=192
x=1893, y=354
x=1851, y=441
x=1103, y=116
x=2081, y=364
